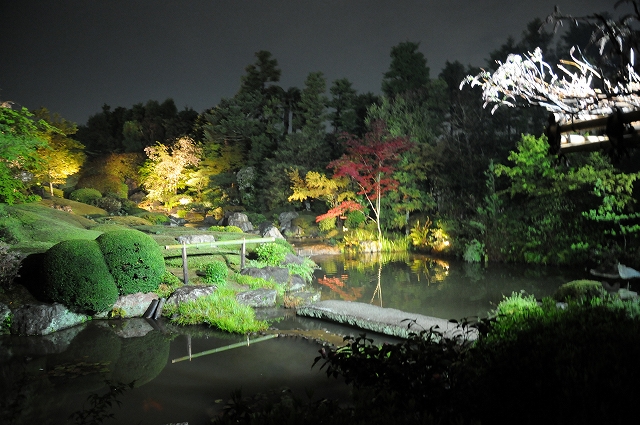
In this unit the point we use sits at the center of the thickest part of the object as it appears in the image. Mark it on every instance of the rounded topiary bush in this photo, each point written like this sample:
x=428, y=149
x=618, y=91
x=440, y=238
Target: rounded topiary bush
x=77, y=276
x=85, y=195
x=134, y=260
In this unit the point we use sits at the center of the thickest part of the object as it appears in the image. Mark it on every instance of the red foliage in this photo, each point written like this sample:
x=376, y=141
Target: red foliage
x=343, y=207
x=371, y=161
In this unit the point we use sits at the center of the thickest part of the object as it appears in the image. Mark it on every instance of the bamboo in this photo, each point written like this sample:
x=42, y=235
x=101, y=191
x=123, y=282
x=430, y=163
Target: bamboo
x=220, y=243
x=225, y=348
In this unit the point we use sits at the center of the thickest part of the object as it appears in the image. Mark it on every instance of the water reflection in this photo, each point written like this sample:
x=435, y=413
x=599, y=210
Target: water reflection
x=443, y=288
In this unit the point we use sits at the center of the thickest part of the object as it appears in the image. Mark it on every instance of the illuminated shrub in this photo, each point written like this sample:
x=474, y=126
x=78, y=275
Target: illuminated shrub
x=85, y=195
x=216, y=273
x=77, y=276
x=134, y=260
x=105, y=184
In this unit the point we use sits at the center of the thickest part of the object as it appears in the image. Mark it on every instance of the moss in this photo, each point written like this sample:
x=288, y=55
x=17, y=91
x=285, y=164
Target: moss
x=134, y=260
x=578, y=289
x=77, y=276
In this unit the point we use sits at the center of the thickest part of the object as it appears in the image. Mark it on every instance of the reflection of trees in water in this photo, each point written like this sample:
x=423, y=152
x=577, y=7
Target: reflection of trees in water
x=433, y=270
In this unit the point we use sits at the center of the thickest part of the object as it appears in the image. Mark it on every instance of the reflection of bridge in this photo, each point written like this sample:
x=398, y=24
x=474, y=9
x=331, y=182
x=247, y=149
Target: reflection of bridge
x=616, y=132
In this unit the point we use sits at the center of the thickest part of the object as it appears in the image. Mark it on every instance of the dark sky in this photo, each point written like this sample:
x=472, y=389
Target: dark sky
x=72, y=56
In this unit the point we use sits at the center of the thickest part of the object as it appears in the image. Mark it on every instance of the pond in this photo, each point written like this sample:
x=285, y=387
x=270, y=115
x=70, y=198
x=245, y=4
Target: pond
x=45, y=379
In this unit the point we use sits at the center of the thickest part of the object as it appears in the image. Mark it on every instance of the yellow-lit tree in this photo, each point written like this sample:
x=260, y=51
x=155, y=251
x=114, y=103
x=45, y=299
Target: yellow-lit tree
x=319, y=186
x=166, y=169
x=62, y=156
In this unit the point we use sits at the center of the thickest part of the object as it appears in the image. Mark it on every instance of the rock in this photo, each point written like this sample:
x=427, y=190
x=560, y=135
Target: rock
x=210, y=221
x=133, y=305
x=296, y=283
x=626, y=294
x=189, y=293
x=293, y=259
x=258, y=298
x=43, y=319
x=286, y=227
x=189, y=239
x=627, y=272
x=301, y=298
x=270, y=231
x=240, y=220
x=277, y=274
x=176, y=221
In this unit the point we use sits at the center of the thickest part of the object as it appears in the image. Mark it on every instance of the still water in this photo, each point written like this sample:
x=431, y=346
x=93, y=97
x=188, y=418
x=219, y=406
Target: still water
x=45, y=379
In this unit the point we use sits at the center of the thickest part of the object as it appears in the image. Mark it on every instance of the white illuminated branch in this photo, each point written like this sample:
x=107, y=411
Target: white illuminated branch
x=572, y=97
x=531, y=80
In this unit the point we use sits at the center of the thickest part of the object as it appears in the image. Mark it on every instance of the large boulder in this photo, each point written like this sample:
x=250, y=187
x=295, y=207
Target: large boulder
x=189, y=239
x=43, y=319
x=270, y=231
x=240, y=220
x=285, y=219
x=132, y=305
x=277, y=274
x=258, y=298
x=189, y=293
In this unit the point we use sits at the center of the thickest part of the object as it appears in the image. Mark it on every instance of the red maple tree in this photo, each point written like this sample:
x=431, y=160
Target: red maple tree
x=370, y=163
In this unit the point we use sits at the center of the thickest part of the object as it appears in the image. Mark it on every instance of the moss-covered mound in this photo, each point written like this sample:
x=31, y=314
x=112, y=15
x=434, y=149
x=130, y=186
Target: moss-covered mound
x=578, y=289
x=134, y=260
x=77, y=276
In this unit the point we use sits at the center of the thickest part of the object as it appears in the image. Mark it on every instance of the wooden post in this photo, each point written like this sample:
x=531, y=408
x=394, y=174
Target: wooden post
x=185, y=268
x=243, y=251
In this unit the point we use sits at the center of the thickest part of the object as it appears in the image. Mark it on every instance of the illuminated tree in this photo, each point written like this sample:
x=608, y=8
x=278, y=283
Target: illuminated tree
x=318, y=186
x=164, y=172
x=370, y=163
x=20, y=139
x=62, y=156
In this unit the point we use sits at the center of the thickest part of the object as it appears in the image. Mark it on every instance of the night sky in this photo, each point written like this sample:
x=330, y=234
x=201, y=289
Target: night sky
x=73, y=56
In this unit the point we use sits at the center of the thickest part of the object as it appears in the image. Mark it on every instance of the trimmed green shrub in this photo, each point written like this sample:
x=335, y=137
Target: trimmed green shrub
x=154, y=218
x=77, y=276
x=227, y=229
x=85, y=195
x=134, y=260
x=216, y=273
x=579, y=289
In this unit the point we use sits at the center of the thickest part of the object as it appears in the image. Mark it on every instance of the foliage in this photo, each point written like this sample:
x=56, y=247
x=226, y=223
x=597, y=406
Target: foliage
x=220, y=310
x=257, y=283
x=354, y=219
x=512, y=312
x=99, y=405
x=304, y=270
x=20, y=139
x=154, y=218
x=579, y=289
x=420, y=375
x=134, y=260
x=77, y=276
x=429, y=235
x=271, y=253
x=164, y=172
x=227, y=229
x=408, y=70
x=256, y=218
x=10, y=263
x=85, y=195
x=318, y=186
x=564, y=359
x=474, y=252
x=109, y=204
x=62, y=156
x=327, y=224
x=216, y=273
x=168, y=284
x=370, y=162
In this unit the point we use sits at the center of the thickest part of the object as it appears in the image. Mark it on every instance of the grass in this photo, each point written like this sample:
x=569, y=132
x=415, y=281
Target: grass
x=220, y=310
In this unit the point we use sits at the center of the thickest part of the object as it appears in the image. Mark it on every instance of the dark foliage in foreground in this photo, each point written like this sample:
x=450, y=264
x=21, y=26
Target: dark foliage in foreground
x=573, y=365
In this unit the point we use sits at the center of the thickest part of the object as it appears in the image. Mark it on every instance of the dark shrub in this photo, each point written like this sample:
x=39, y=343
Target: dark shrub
x=77, y=276
x=134, y=260
x=86, y=195
x=109, y=204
